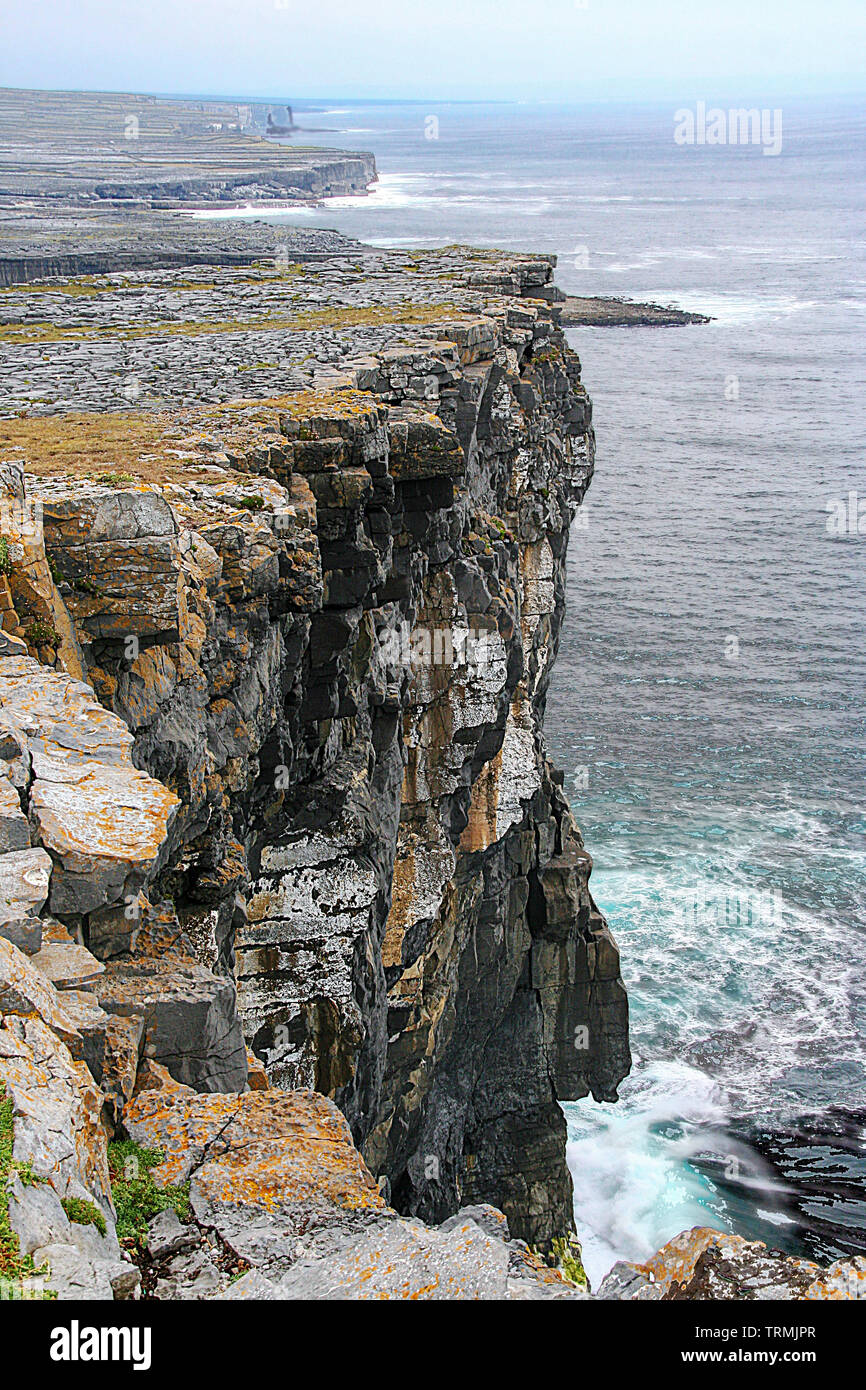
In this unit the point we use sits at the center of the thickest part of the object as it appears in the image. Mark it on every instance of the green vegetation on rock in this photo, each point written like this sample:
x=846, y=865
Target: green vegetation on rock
x=115, y=479
x=40, y=633
x=137, y=1199
x=569, y=1260
x=83, y=1213
x=13, y=1266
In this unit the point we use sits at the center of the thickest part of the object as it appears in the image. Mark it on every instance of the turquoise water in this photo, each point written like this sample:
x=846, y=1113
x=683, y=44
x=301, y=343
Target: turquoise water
x=707, y=705
x=718, y=755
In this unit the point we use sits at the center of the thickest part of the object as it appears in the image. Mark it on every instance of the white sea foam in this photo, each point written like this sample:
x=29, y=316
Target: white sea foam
x=633, y=1187
x=725, y=309
x=650, y=258
x=737, y=975
x=753, y=988
x=776, y=1218
x=255, y=210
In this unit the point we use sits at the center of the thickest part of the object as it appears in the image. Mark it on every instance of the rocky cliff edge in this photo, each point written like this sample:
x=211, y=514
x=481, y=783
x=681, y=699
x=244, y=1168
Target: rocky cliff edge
x=297, y=951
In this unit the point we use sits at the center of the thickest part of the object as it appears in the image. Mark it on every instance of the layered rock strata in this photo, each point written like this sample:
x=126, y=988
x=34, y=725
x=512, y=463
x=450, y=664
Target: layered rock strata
x=128, y=151
x=289, y=891
x=321, y=622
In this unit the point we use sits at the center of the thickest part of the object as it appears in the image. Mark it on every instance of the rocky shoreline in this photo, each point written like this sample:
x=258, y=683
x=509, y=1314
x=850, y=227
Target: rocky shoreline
x=298, y=953
x=580, y=312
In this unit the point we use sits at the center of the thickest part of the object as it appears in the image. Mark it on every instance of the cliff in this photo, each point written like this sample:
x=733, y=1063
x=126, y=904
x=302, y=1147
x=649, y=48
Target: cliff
x=323, y=622
x=297, y=948
x=95, y=182
x=127, y=152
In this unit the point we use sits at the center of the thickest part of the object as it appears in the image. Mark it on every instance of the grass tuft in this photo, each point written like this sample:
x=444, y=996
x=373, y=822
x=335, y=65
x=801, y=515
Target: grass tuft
x=39, y=633
x=137, y=1199
x=83, y=1213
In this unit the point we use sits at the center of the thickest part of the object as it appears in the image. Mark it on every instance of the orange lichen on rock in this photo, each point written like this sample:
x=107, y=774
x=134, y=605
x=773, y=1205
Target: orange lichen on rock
x=265, y=1149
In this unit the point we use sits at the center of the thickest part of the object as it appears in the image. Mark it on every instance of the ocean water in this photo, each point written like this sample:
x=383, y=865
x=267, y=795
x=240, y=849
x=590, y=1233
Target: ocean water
x=707, y=705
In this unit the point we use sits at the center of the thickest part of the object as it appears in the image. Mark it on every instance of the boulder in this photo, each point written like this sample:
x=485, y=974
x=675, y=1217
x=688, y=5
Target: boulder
x=706, y=1264
x=190, y=1018
x=14, y=829
x=25, y=992
x=104, y=823
x=266, y=1167
x=104, y=827
x=24, y=886
x=68, y=965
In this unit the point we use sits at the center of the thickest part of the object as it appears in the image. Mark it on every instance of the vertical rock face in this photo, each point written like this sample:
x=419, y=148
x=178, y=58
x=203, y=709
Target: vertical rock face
x=331, y=639
x=503, y=981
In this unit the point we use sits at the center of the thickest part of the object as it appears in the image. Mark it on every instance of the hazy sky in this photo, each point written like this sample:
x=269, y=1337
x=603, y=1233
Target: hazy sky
x=564, y=49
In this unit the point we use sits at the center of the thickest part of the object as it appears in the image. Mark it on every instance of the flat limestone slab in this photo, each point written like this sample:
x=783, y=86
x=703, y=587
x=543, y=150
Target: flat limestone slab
x=103, y=822
x=68, y=966
x=266, y=1166
x=24, y=884
x=104, y=829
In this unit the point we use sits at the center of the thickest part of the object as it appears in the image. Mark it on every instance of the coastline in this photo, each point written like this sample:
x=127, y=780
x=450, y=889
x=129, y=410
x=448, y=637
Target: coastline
x=263, y=378
x=616, y=312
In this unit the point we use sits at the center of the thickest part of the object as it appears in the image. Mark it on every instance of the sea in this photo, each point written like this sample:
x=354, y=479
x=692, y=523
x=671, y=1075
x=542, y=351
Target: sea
x=707, y=705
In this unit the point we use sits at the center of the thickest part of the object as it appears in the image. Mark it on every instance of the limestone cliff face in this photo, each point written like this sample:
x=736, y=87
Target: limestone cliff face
x=330, y=629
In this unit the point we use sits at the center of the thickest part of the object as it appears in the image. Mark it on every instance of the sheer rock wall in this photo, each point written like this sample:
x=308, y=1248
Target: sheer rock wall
x=328, y=619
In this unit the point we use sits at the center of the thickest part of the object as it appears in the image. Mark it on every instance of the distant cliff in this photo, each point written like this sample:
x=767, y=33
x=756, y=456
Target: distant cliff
x=82, y=153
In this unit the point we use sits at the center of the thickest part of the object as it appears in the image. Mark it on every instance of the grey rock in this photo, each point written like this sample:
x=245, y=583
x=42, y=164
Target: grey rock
x=68, y=966
x=623, y=1280
x=11, y=645
x=26, y=993
x=92, y=1024
x=488, y=1219
x=14, y=829
x=191, y=1022
x=23, y=932
x=36, y=1215
x=14, y=752
x=707, y=1265
x=166, y=1235
x=12, y=477
x=252, y=1287
x=74, y=1277
x=24, y=886
x=189, y=1278
x=405, y=1260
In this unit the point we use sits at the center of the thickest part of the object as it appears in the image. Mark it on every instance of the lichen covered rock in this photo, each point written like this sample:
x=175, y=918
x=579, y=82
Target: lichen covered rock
x=703, y=1264
x=315, y=815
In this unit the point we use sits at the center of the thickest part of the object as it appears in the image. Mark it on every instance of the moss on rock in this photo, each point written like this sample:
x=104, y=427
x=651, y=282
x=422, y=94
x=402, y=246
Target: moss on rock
x=137, y=1198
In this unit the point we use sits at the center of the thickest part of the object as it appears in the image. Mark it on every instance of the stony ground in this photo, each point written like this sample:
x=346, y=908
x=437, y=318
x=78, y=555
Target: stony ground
x=186, y=337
